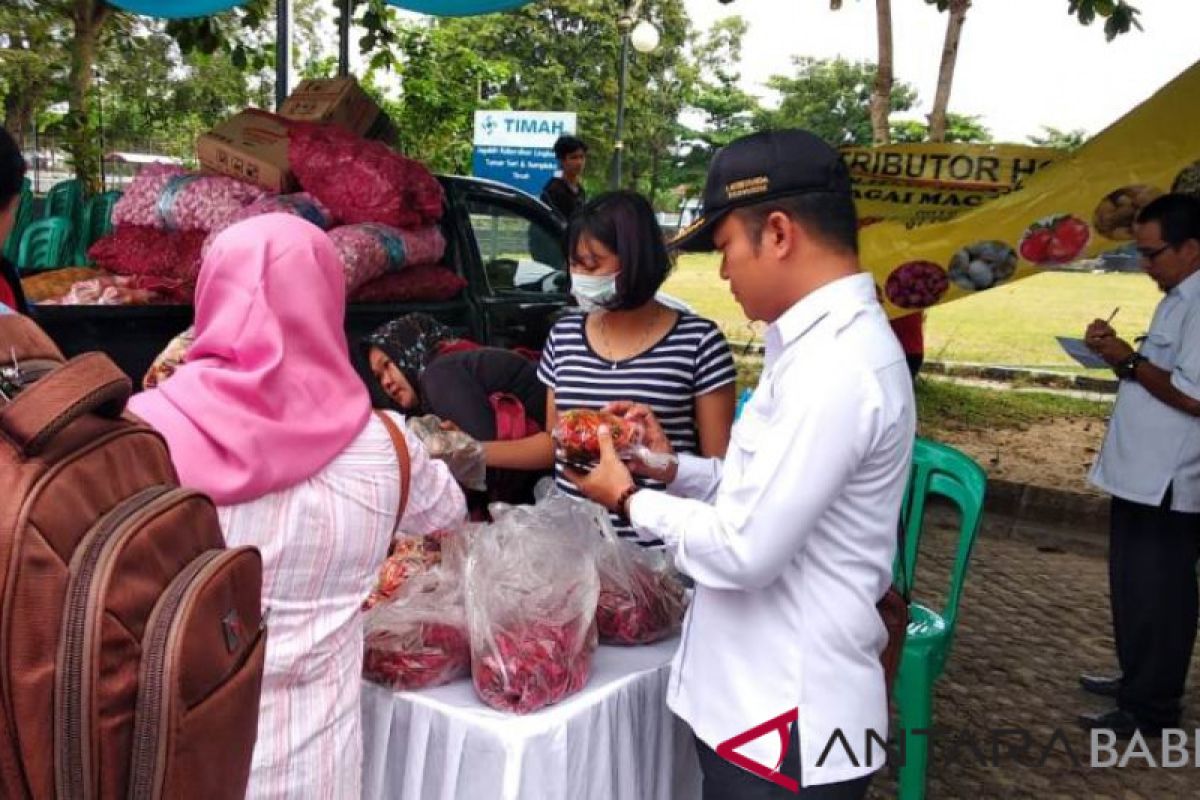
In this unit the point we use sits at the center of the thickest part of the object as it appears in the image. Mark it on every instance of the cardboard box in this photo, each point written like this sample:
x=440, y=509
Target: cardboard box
x=342, y=102
x=253, y=146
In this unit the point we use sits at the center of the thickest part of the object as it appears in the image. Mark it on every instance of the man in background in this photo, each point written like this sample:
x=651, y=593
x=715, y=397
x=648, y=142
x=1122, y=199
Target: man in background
x=565, y=193
x=1150, y=464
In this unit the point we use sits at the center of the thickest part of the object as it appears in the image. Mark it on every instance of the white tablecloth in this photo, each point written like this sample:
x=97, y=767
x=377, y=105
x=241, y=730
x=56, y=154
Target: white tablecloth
x=615, y=740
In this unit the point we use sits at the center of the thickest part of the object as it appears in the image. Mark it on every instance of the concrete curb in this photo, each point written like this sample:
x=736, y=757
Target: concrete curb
x=986, y=372
x=1051, y=380
x=1051, y=518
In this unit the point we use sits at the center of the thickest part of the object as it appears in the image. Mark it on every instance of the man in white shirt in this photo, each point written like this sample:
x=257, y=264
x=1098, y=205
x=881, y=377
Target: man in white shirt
x=1150, y=464
x=790, y=539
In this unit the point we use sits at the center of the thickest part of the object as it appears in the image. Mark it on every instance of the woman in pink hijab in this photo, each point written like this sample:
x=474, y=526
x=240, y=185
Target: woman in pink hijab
x=268, y=417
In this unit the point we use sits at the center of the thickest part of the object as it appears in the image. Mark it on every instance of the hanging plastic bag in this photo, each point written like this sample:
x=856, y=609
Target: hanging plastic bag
x=463, y=455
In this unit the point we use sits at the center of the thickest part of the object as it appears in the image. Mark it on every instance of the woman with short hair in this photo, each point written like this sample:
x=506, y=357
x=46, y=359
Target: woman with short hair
x=627, y=345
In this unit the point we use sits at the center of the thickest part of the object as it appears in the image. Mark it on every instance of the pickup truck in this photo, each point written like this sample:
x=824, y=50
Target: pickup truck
x=507, y=245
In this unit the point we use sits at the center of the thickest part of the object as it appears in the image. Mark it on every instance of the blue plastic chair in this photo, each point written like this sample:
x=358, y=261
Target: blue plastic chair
x=937, y=469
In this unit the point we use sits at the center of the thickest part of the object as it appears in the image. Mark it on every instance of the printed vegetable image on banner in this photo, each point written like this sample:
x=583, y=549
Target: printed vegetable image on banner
x=932, y=182
x=1078, y=207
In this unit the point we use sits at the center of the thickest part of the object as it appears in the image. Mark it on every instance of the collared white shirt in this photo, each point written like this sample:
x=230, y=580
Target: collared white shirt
x=791, y=540
x=1150, y=445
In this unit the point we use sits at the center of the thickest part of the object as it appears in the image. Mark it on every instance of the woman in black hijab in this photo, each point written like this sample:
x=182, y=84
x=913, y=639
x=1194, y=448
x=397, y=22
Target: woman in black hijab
x=425, y=369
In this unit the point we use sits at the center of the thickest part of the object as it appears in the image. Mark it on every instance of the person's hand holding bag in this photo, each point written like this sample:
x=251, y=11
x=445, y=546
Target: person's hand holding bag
x=609, y=483
x=655, y=457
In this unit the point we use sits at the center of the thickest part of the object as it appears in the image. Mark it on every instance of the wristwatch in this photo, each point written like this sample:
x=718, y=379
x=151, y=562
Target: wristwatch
x=1126, y=370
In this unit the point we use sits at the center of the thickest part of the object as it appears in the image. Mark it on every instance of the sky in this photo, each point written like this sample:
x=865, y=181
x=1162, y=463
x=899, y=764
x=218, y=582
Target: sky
x=1022, y=64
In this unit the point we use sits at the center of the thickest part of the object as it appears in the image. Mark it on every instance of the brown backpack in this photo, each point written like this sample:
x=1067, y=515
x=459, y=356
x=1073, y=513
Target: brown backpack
x=131, y=639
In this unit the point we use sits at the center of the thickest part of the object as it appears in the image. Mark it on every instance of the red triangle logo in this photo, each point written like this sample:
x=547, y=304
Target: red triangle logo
x=781, y=725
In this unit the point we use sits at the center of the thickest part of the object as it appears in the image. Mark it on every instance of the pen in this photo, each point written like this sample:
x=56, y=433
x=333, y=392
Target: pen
x=1113, y=314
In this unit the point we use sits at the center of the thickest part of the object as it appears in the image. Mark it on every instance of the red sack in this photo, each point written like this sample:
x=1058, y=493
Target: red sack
x=531, y=608
x=427, y=284
x=418, y=637
x=165, y=262
x=363, y=181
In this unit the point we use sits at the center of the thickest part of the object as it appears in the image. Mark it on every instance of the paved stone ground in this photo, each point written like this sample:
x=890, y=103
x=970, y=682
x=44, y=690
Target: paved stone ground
x=1032, y=619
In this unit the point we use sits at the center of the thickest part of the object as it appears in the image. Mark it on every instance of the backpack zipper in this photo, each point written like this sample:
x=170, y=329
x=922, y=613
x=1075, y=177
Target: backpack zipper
x=73, y=754
x=152, y=714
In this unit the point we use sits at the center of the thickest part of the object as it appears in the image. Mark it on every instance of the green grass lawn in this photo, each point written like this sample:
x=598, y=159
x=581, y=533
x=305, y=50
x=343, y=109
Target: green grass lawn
x=944, y=405
x=1012, y=325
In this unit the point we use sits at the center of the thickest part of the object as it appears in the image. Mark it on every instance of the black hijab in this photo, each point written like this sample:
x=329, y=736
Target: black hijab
x=411, y=342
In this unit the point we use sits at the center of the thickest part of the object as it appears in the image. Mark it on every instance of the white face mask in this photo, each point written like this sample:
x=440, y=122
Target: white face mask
x=593, y=292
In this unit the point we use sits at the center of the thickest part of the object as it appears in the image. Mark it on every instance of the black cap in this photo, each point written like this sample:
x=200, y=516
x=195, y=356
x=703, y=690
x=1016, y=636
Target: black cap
x=761, y=167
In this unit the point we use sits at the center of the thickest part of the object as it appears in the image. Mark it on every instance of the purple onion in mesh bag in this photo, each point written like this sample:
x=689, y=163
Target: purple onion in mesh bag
x=171, y=198
x=370, y=250
x=301, y=205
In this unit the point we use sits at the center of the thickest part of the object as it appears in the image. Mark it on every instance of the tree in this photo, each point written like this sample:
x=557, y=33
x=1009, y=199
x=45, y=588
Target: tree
x=29, y=80
x=1062, y=140
x=956, y=11
x=881, y=96
x=830, y=98
x=84, y=29
x=1120, y=17
x=727, y=111
x=959, y=128
x=556, y=54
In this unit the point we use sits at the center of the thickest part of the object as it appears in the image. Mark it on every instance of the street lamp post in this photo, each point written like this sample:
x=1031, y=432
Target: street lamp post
x=644, y=38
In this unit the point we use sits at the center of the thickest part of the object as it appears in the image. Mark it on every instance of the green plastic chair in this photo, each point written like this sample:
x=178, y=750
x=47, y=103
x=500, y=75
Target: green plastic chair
x=936, y=470
x=12, y=247
x=95, y=222
x=46, y=244
x=65, y=199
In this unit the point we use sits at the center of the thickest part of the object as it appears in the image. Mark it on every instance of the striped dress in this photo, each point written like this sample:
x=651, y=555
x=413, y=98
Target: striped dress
x=322, y=541
x=692, y=359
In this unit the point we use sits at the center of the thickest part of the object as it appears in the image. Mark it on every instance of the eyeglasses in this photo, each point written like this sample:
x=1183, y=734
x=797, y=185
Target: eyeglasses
x=1154, y=253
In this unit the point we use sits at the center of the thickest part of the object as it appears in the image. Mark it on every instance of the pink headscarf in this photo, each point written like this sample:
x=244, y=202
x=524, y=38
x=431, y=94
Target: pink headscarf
x=267, y=397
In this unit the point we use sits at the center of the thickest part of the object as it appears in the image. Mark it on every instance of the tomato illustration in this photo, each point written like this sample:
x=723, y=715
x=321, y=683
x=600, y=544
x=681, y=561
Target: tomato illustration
x=1058, y=239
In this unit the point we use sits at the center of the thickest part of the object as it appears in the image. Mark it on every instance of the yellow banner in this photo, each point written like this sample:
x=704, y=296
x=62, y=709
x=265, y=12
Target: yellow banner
x=930, y=182
x=1078, y=207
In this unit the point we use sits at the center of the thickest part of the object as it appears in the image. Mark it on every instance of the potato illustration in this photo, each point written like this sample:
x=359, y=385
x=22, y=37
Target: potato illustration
x=1114, y=217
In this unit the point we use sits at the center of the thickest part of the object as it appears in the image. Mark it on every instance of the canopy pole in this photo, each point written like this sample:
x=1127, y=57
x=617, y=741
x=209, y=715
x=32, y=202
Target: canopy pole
x=283, y=50
x=346, y=9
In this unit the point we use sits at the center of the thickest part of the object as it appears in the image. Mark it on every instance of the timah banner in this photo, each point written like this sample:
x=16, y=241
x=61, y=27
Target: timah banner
x=1079, y=206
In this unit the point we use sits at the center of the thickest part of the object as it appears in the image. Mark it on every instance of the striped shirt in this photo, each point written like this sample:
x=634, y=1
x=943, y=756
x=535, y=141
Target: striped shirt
x=691, y=360
x=322, y=542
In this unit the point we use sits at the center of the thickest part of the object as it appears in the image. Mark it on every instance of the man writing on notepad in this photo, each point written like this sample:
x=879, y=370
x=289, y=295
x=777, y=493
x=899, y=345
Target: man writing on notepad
x=1150, y=464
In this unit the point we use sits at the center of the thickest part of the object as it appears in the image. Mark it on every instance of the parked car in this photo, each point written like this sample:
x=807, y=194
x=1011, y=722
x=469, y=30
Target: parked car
x=507, y=245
